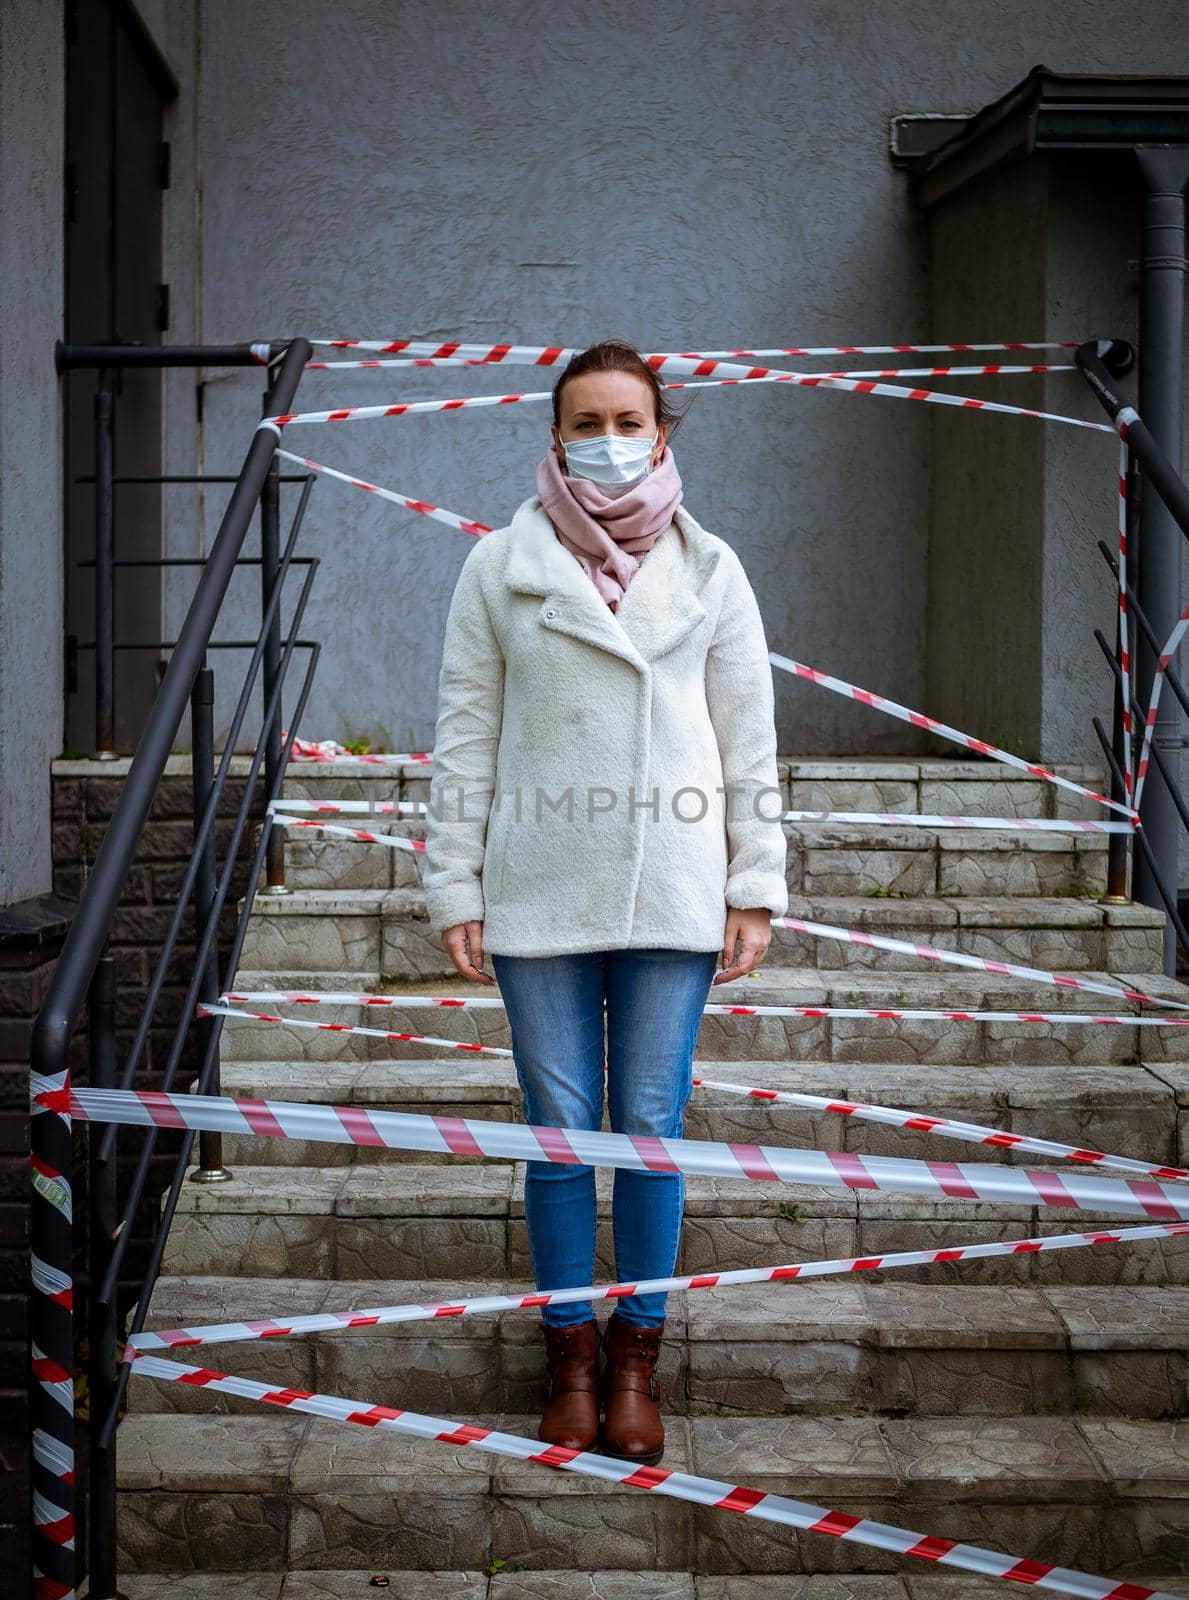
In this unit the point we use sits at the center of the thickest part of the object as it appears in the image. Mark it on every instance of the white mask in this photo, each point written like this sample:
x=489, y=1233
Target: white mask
x=611, y=458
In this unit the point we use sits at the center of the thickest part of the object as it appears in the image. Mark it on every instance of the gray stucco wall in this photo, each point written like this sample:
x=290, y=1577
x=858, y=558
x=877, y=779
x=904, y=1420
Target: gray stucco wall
x=679, y=176
x=31, y=93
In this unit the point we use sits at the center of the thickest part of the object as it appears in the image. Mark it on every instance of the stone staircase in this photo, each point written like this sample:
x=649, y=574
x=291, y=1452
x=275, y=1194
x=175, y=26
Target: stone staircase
x=1033, y=1404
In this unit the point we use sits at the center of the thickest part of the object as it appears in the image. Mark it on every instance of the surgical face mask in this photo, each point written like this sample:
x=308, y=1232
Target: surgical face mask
x=611, y=458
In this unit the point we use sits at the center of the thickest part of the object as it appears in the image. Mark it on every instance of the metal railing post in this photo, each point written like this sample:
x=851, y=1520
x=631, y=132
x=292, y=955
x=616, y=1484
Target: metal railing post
x=1161, y=347
x=52, y=1335
x=105, y=573
x=1119, y=855
x=102, y=1369
x=270, y=562
x=52, y=1462
x=210, y=1167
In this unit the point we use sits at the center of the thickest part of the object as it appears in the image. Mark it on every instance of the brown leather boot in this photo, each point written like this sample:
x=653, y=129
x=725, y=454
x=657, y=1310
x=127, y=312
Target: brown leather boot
x=632, y=1426
x=571, y=1414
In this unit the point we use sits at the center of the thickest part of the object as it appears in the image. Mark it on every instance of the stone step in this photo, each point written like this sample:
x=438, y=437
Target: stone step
x=512, y=1582
x=759, y=1037
x=823, y=859
x=402, y=1220
x=846, y=1346
x=288, y=1491
x=1132, y=1110
x=388, y=930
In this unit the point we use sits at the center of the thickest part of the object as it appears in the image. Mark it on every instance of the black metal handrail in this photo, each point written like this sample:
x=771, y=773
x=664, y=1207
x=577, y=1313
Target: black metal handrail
x=1101, y=362
x=84, y=976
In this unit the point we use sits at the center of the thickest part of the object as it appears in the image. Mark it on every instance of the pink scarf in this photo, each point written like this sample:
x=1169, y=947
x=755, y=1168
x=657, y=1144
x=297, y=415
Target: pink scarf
x=609, y=528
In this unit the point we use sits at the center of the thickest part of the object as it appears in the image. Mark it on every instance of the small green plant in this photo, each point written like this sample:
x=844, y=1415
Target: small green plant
x=791, y=1213
x=882, y=892
x=500, y=1564
x=362, y=743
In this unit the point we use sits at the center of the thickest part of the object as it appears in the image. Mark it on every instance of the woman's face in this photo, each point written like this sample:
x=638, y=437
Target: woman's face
x=608, y=402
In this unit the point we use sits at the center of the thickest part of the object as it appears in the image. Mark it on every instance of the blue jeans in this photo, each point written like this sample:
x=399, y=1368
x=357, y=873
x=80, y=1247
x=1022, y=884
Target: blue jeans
x=654, y=1000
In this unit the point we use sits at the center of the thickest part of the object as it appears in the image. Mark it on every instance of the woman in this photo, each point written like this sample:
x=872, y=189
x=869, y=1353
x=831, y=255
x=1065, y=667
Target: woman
x=604, y=821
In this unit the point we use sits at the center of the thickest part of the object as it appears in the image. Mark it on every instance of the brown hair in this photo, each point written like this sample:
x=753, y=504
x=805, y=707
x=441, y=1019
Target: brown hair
x=617, y=355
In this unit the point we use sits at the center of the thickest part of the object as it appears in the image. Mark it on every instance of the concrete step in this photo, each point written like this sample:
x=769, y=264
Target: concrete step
x=758, y=1037
x=387, y=929
x=403, y=1220
x=846, y=1346
x=823, y=859
x=288, y=1491
x=1132, y=1110
x=512, y=1582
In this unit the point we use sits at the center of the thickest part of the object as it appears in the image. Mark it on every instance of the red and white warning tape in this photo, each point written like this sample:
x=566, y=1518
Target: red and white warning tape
x=899, y=819
x=450, y=518
x=353, y=808
x=845, y=1013
x=477, y=1136
x=915, y=1121
x=803, y=380
x=959, y=958
x=394, y=841
x=557, y=355
x=891, y=708
x=331, y=750
x=1162, y=665
x=698, y=364
x=479, y=1305
x=1124, y=652
x=660, y=1480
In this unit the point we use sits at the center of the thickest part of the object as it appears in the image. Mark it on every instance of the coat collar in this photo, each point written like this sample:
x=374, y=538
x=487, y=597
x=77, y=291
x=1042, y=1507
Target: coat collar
x=661, y=604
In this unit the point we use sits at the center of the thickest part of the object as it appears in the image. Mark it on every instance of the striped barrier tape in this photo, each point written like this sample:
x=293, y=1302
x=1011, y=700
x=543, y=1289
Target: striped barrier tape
x=842, y=1013
x=824, y=1012
x=1158, y=677
x=438, y=513
x=477, y=1136
x=891, y=708
x=306, y=750
x=959, y=958
x=480, y=1305
x=331, y=750
x=394, y=841
x=353, y=808
x=764, y=1507
x=805, y=380
x=900, y=819
x=914, y=1121
x=558, y=355
x=1124, y=651
x=699, y=364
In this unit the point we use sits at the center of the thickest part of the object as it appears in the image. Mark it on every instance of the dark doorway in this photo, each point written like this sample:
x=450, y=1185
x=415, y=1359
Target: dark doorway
x=117, y=168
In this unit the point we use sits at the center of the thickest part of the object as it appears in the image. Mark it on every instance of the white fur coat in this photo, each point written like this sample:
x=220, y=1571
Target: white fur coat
x=581, y=755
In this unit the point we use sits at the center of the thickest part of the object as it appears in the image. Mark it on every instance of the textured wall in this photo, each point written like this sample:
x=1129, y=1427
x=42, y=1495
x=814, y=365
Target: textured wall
x=676, y=175
x=30, y=443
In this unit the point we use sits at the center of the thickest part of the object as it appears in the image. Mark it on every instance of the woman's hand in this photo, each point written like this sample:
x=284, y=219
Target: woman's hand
x=752, y=929
x=464, y=943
